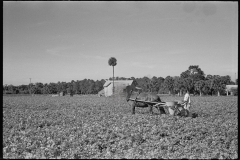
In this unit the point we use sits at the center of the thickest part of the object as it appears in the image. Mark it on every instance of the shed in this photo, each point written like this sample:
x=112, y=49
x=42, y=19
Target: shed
x=230, y=87
x=101, y=93
x=61, y=94
x=119, y=85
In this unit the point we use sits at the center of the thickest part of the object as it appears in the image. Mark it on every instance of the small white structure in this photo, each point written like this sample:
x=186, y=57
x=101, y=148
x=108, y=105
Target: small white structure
x=230, y=87
x=61, y=94
x=119, y=86
x=101, y=93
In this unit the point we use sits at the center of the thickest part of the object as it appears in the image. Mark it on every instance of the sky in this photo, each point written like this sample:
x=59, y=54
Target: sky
x=65, y=40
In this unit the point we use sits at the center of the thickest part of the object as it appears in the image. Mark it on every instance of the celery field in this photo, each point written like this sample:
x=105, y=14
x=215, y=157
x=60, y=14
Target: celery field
x=98, y=127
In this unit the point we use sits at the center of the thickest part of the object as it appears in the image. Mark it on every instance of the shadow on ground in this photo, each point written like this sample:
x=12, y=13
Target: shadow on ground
x=194, y=115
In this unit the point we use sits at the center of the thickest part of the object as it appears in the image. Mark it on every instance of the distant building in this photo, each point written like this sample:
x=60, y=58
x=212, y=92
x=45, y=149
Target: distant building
x=61, y=94
x=101, y=93
x=230, y=87
x=119, y=85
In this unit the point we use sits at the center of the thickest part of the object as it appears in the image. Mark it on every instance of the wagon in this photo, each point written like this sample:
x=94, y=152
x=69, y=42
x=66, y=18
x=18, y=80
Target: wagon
x=172, y=108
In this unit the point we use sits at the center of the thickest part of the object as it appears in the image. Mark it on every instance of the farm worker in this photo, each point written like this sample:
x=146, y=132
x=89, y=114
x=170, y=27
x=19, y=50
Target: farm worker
x=187, y=102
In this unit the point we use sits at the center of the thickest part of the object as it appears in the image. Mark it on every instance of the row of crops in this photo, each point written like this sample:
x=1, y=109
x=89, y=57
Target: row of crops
x=99, y=127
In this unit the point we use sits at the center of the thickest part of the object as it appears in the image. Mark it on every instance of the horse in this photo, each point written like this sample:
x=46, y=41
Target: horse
x=143, y=96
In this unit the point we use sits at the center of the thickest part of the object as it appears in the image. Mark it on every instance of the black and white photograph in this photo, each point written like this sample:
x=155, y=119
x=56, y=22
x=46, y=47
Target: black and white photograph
x=120, y=80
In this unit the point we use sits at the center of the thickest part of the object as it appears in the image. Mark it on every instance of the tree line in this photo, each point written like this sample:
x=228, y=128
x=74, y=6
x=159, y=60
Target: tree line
x=193, y=79
x=86, y=86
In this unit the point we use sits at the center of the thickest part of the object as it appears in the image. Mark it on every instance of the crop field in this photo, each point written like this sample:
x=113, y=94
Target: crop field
x=98, y=127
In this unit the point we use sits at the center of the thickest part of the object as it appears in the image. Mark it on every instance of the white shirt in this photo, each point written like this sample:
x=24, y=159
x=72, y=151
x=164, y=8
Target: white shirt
x=187, y=98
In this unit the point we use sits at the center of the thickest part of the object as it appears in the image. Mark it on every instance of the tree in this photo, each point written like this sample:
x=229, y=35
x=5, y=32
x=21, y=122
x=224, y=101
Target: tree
x=122, y=78
x=59, y=87
x=168, y=83
x=52, y=88
x=112, y=62
x=30, y=87
x=209, y=86
x=218, y=84
x=133, y=78
x=146, y=84
x=45, y=89
x=64, y=87
x=206, y=89
x=83, y=86
x=34, y=90
x=215, y=76
x=232, y=83
x=160, y=82
x=187, y=83
x=98, y=86
x=91, y=87
x=69, y=88
x=209, y=76
x=103, y=81
x=195, y=73
x=75, y=87
x=185, y=74
x=226, y=79
x=5, y=88
x=199, y=86
x=235, y=91
x=37, y=89
x=11, y=89
x=178, y=85
x=154, y=84
x=23, y=89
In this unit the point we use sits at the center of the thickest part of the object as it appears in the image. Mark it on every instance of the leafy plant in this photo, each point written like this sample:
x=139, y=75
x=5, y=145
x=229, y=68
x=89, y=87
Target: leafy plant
x=99, y=127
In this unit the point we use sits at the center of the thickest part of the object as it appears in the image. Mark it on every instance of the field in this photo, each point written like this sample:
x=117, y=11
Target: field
x=99, y=127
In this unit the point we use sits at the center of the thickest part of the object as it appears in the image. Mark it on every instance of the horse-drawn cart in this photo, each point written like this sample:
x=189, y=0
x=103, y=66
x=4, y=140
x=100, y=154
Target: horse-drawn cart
x=172, y=108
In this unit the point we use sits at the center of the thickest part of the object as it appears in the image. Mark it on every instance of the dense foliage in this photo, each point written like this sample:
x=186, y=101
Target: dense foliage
x=86, y=86
x=235, y=92
x=192, y=79
x=99, y=127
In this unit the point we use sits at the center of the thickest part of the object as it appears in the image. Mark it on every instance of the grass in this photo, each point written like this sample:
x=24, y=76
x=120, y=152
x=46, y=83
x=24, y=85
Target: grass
x=99, y=127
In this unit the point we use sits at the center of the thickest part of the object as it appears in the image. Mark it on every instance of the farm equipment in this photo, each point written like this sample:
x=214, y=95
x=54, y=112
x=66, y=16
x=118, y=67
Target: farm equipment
x=172, y=108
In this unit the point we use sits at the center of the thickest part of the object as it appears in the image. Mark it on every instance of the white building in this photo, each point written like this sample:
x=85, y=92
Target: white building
x=119, y=86
x=230, y=87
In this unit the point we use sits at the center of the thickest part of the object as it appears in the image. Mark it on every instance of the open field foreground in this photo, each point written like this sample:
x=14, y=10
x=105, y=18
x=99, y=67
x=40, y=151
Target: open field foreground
x=98, y=127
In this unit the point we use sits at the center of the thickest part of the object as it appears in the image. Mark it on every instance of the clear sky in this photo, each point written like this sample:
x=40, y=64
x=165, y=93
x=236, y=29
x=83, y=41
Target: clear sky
x=64, y=40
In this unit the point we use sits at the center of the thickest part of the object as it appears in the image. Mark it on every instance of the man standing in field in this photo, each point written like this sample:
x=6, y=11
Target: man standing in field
x=187, y=101
x=183, y=109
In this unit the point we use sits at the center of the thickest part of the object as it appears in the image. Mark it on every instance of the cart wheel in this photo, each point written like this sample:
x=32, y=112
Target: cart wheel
x=176, y=111
x=184, y=112
x=162, y=111
x=133, y=108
